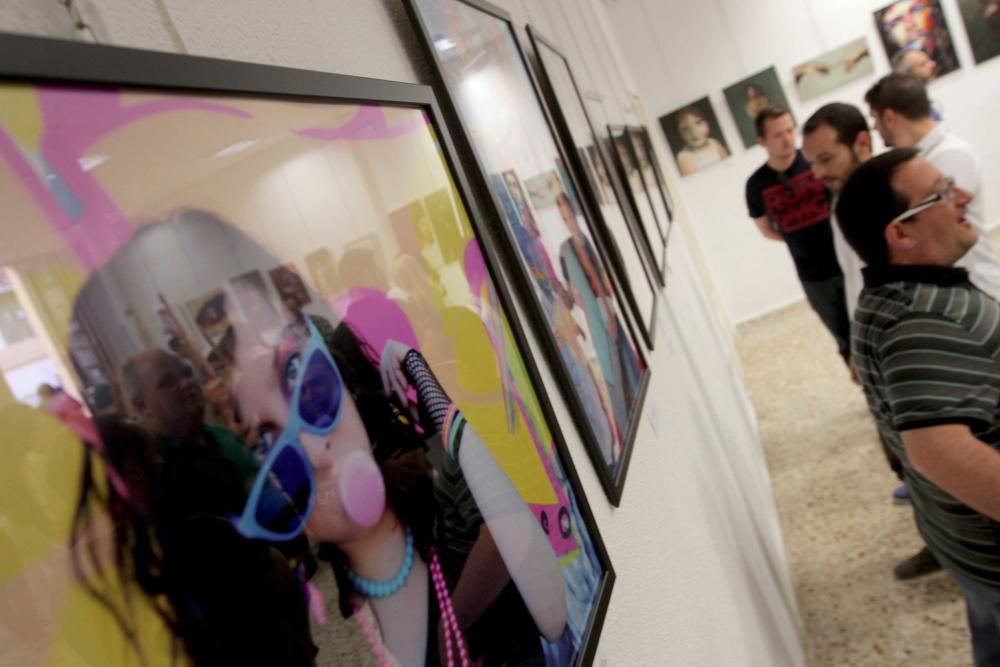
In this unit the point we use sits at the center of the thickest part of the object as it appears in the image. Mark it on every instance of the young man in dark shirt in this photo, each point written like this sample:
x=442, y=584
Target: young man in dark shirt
x=789, y=204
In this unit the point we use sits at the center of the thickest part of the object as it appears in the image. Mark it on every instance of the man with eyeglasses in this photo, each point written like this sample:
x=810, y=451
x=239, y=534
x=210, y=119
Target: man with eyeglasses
x=789, y=204
x=901, y=112
x=836, y=140
x=927, y=347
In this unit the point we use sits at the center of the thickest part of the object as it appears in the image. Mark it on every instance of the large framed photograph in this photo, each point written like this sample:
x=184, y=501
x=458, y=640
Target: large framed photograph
x=917, y=26
x=655, y=219
x=615, y=219
x=748, y=97
x=247, y=463
x=573, y=298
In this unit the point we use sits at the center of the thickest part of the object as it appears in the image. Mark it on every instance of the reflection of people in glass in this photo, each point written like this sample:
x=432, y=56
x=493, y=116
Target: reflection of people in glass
x=631, y=170
x=602, y=173
x=592, y=289
x=226, y=599
x=449, y=564
x=701, y=149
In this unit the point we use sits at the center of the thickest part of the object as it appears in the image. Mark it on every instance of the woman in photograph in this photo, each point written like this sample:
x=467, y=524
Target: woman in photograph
x=592, y=291
x=700, y=149
x=444, y=568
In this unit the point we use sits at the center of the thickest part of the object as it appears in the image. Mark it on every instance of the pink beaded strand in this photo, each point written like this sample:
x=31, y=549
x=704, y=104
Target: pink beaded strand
x=449, y=620
x=378, y=648
x=449, y=623
x=439, y=592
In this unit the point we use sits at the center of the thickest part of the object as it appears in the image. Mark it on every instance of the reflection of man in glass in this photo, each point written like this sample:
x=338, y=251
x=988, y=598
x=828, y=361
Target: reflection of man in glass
x=216, y=578
x=582, y=269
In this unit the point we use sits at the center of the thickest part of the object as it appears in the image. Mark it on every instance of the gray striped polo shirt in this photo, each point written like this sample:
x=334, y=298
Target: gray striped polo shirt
x=927, y=346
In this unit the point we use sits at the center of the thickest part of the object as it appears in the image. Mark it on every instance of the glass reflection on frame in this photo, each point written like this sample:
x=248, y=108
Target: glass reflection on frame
x=283, y=325
x=576, y=306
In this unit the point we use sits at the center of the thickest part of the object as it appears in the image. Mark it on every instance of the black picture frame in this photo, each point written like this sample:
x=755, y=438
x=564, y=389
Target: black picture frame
x=548, y=59
x=627, y=165
x=33, y=60
x=612, y=481
x=642, y=133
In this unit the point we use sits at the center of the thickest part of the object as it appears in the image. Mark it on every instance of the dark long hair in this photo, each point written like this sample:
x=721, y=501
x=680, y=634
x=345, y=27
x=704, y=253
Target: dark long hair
x=398, y=445
x=136, y=556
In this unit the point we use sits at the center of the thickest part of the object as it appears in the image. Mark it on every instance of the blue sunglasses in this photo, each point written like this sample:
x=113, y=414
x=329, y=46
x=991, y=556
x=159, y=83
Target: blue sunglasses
x=284, y=492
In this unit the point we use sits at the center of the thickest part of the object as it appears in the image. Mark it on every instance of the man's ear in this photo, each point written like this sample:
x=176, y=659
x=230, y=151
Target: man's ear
x=760, y=141
x=863, y=145
x=889, y=117
x=898, y=237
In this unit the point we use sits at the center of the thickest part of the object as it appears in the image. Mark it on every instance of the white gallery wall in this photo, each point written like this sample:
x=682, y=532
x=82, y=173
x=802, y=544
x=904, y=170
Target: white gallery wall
x=702, y=573
x=679, y=52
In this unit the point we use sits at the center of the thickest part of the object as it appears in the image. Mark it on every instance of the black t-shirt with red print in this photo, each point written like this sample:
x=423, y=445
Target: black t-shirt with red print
x=798, y=206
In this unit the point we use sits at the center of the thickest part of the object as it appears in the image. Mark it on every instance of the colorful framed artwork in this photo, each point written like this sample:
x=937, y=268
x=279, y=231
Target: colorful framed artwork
x=917, y=25
x=833, y=69
x=575, y=303
x=215, y=512
x=694, y=136
x=982, y=25
x=631, y=259
x=750, y=96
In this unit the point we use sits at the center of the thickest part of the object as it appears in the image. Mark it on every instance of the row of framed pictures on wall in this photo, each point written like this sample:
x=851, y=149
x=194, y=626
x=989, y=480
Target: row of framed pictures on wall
x=905, y=26
x=155, y=193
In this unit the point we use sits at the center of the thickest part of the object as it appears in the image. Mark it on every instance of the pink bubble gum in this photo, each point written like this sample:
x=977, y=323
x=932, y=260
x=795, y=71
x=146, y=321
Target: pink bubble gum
x=362, y=491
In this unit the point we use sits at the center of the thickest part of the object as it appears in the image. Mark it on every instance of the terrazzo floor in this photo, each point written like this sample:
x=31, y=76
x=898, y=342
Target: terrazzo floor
x=833, y=490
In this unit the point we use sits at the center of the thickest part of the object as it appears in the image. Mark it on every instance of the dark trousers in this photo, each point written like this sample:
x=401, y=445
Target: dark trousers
x=827, y=298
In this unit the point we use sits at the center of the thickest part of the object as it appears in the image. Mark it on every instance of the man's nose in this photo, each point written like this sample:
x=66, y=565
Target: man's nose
x=962, y=196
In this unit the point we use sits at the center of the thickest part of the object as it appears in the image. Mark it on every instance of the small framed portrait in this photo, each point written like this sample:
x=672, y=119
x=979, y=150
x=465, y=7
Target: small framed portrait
x=750, y=96
x=694, y=136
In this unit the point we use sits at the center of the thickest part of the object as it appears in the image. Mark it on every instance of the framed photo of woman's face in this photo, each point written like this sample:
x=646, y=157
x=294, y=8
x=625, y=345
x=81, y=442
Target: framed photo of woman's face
x=330, y=466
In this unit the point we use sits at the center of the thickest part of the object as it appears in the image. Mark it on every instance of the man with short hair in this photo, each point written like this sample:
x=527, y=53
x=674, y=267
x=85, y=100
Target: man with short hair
x=927, y=346
x=171, y=403
x=788, y=204
x=836, y=141
x=901, y=112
